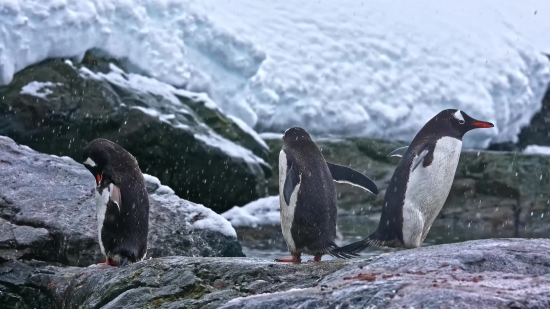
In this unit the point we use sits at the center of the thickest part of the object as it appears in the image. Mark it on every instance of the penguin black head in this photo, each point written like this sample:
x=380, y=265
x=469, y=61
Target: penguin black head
x=295, y=134
x=104, y=158
x=456, y=123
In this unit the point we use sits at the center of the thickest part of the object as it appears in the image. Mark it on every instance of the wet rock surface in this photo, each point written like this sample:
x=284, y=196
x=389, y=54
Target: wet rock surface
x=47, y=212
x=503, y=273
x=57, y=107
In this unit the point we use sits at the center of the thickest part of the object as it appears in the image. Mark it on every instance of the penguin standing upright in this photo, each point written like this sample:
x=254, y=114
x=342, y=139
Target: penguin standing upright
x=307, y=196
x=121, y=200
x=421, y=182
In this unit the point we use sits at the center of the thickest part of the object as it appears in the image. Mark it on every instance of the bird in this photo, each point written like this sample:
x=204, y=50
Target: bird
x=420, y=183
x=307, y=196
x=122, y=203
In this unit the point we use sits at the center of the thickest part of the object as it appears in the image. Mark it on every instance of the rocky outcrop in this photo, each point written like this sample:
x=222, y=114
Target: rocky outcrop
x=492, y=191
x=47, y=213
x=506, y=273
x=183, y=138
x=503, y=273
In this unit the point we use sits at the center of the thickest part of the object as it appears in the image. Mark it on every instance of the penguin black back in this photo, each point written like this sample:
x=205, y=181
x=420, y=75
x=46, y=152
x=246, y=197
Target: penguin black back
x=314, y=223
x=122, y=201
x=307, y=196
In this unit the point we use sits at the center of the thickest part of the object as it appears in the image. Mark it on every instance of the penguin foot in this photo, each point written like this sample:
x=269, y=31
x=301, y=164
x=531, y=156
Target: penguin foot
x=316, y=258
x=109, y=262
x=294, y=259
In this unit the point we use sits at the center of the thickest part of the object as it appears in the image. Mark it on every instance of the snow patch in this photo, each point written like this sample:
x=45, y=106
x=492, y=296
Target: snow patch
x=248, y=130
x=270, y=135
x=264, y=211
x=229, y=148
x=199, y=216
x=39, y=89
x=537, y=150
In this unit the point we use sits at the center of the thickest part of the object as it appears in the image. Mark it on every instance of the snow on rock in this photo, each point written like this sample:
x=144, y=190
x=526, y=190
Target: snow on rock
x=270, y=135
x=230, y=148
x=143, y=84
x=376, y=68
x=264, y=211
x=39, y=89
x=537, y=150
x=200, y=217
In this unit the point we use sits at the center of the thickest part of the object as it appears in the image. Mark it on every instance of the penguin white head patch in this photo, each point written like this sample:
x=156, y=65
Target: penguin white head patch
x=90, y=162
x=458, y=115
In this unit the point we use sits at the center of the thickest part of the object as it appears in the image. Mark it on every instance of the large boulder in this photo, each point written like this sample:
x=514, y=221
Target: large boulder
x=500, y=273
x=47, y=212
x=183, y=138
x=507, y=273
x=493, y=192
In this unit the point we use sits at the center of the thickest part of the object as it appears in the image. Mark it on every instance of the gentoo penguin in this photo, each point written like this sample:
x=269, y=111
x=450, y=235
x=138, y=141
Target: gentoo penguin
x=421, y=182
x=307, y=196
x=121, y=200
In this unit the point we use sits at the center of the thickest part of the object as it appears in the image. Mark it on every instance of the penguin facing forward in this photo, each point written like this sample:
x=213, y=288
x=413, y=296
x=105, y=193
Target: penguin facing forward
x=122, y=202
x=421, y=182
x=307, y=196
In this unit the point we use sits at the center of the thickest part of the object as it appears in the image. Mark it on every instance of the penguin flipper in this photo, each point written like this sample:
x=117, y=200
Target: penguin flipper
x=399, y=152
x=292, y=179
x=419, y=159
x=114, y=192
x=344, y=174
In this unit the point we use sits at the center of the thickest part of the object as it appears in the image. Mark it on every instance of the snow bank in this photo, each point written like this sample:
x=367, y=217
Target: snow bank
x=537, y=150
x=199, y=217
x=264, y=211
x=375, y=68
x=383, y=68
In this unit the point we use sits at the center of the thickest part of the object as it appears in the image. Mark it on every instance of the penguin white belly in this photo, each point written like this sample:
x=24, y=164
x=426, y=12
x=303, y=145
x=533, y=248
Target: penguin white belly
x=287, y=211
x=101, y=207
x=427, y=190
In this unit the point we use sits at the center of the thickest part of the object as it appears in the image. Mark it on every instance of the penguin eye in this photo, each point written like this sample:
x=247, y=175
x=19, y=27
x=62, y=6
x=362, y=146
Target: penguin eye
x=461, y=121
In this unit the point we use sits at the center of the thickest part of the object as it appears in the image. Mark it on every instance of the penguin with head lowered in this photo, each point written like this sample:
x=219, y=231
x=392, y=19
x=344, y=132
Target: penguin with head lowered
x=421, y=182
x=121, y=200
x=307, y=196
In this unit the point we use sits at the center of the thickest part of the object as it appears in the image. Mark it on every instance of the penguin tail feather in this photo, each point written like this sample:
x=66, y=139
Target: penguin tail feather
x=352, y=250
x=343, y=255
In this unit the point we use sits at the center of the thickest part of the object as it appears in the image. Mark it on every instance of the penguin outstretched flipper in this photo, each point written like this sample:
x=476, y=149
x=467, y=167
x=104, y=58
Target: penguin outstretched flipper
x=399, y=152
x=292, y=179
x=344, y=174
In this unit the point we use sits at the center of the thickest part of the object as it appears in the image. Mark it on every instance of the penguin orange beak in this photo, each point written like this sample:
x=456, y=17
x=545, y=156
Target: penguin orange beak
x=98, y=178
x=482, y=124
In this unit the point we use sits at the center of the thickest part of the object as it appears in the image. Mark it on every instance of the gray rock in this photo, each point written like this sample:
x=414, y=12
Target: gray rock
x=504, y=273
x=181, y=137
x=500, y=273
x=48, y=203
x=171, y=282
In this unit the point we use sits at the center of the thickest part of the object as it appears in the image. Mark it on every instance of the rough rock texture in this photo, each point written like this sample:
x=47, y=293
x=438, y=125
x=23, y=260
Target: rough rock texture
x=180, y=137
x=171, y=282
x=47, y=212
x=495, y=192
x=506, y=273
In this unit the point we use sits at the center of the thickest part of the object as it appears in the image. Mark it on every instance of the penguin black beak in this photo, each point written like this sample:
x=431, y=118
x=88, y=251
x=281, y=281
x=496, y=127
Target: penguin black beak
x=482, y=124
